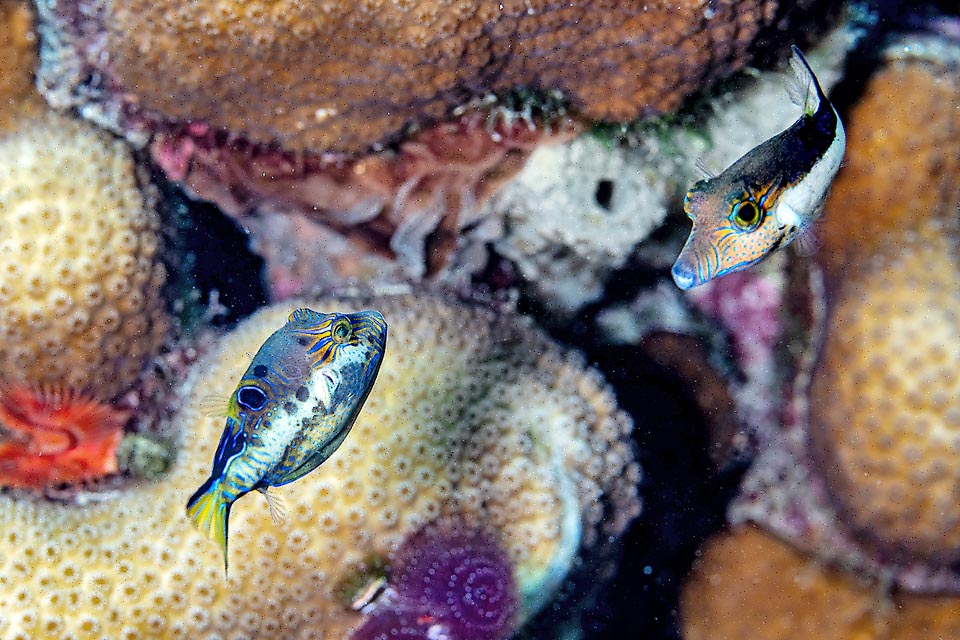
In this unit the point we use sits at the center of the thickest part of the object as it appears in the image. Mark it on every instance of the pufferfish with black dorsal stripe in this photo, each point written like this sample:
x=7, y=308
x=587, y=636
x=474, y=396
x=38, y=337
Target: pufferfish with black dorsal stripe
x=767, y=198
x=292, y=409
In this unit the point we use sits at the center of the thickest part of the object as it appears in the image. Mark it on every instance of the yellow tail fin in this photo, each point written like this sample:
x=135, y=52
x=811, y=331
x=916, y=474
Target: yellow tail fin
x=210, y=513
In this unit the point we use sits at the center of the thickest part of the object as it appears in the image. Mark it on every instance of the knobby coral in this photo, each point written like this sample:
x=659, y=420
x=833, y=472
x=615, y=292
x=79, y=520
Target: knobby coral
x=18, y=57
x=80, y=274
x=475, y=414
x=728, y=597
x=886, y=397
x=344, y=76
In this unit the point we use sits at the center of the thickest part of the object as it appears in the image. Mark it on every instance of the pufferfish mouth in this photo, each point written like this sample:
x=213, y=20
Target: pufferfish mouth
x=684, y=275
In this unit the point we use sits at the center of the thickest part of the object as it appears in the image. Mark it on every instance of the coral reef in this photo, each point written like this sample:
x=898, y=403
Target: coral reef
x=56, y=437
x=861, y=472
x=18, y=56
x=344, y=77
x=80, y=275
x=885, y=399
x=475, y=414
x=449, y=114
x=728, y=596
x=324, y=220
x=574, y=214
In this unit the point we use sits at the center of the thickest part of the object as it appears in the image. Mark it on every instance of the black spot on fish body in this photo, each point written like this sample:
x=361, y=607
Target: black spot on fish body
x=302, y=342
x=289, y=406
x=302, y=394
x=260, y=371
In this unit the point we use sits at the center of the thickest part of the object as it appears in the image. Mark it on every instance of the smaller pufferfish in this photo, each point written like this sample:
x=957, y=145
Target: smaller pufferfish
x=764, y=200
x=292, y=409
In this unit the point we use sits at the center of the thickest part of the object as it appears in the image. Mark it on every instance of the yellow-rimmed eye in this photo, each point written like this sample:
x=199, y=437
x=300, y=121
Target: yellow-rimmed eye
x=341, y=330
x=747, y=215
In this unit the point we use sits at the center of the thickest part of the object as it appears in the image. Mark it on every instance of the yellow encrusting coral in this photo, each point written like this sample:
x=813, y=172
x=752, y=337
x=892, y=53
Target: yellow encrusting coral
x=474, y=413
x=80, y=274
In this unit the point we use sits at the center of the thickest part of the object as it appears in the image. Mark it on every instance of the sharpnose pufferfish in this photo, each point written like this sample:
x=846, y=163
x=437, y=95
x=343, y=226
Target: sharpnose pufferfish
x=293, y=407
x=764, y=200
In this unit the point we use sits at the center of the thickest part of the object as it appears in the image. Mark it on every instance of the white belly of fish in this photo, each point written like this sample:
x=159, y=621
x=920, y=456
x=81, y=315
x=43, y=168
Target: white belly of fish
x=800, y=205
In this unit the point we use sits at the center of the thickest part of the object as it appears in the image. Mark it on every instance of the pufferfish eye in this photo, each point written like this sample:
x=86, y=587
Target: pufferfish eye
x=252, y=398
x=747, y=215
x=341, y=330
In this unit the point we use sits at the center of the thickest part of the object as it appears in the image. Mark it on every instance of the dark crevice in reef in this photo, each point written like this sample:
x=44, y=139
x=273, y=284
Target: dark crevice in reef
x=684, y=498
x=208, y=251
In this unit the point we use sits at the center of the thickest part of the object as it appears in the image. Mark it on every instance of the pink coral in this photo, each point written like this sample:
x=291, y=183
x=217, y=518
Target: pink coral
x=394, y=215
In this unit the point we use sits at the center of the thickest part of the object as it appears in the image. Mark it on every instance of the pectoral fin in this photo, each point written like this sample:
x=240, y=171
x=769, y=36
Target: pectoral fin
x=278, y=509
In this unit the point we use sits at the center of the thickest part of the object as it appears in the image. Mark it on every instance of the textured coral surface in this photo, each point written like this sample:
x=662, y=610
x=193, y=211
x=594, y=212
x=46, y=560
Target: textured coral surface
x=344, y=75
x=18, y=56
x=885, y=400
x=80, y=274
x=471, y=414
x=749, y=585
x=574, y=214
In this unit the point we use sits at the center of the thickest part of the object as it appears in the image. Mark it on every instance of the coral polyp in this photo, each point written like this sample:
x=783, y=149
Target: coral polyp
x=53, y=436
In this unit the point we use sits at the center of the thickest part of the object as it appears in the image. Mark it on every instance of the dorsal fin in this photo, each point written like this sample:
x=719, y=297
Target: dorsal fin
x=803, y=87
x=706, y=173
x=304, y=314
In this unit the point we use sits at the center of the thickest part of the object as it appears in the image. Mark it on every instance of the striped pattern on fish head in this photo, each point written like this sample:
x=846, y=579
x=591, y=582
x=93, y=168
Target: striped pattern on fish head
x=732, y=229
x=340, y=351
x=769, y=196
x=345, y=350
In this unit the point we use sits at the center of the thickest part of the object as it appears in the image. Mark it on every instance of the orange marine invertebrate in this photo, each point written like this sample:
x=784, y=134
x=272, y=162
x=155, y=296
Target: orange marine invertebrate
x=344, y=76
x=56, y=437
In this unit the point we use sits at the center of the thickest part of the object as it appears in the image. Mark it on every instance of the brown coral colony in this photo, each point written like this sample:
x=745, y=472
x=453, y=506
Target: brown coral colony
x=344, y=76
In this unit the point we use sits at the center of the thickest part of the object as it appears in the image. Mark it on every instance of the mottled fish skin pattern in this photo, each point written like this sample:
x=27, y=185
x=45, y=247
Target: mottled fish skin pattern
x=764, y=200
x=292, y=408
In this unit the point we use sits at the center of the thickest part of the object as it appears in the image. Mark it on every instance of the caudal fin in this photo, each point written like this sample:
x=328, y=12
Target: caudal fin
x=210, y=513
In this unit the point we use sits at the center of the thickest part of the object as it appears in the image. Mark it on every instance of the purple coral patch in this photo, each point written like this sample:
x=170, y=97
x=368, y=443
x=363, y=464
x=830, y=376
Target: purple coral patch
x=449, y=581
x=394, y=625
